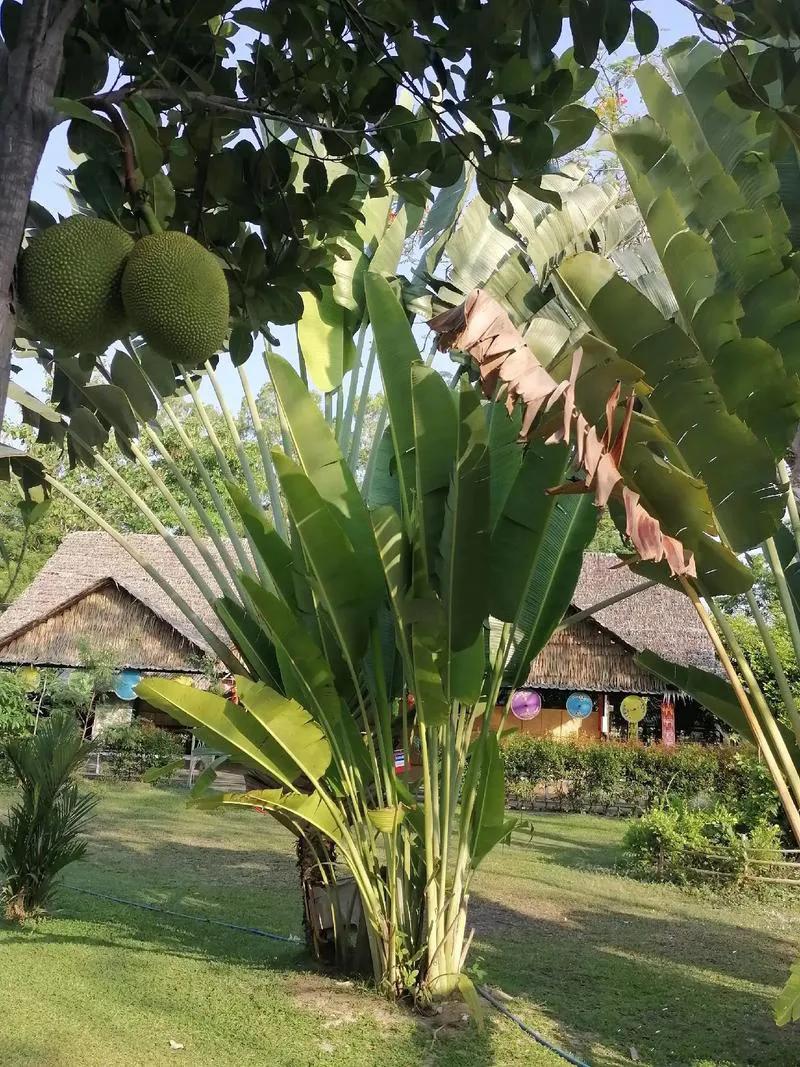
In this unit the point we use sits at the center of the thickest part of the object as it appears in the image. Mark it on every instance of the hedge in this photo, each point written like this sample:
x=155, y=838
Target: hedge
x=613, y=777
x=678, y=844
x=135, y=748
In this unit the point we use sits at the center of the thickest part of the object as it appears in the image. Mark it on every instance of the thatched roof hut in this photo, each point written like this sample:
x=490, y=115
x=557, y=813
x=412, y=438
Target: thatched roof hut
x=597, y=654
x=92, y=590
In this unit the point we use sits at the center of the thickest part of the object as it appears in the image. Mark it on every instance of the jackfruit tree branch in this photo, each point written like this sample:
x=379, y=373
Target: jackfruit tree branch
x=29, y=74
x=133, y=181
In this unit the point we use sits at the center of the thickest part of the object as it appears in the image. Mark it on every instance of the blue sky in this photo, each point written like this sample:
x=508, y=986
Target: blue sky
x=674, y=22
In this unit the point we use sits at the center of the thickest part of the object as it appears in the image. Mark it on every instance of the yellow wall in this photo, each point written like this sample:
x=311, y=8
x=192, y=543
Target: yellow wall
x=553, y=722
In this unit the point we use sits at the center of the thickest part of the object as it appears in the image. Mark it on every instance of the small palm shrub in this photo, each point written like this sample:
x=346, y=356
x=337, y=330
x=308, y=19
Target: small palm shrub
x=44, y=828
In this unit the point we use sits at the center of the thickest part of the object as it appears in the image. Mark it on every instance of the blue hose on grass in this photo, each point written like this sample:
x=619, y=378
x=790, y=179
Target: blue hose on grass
x=533, y=1034
x=183, y=915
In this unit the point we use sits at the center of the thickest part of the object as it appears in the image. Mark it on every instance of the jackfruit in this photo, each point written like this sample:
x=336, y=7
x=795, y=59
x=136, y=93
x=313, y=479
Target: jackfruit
x=68, y=281
x=176, y=297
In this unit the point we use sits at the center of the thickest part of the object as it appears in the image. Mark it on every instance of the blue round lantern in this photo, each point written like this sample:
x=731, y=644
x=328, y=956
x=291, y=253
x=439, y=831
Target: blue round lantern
x=125, y=684
x=579, y=705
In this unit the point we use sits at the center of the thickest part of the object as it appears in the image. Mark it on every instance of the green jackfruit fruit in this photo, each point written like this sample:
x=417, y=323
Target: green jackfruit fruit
x=68, y=280
x=176, y=297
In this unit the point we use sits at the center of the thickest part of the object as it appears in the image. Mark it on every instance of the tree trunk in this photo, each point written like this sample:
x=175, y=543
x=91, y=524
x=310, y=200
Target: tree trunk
x=314, y=849
x=29, y=74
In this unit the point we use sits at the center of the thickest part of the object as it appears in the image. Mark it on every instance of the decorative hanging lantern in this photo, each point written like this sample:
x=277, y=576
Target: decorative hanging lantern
x=525, y=704
x=124, y=684
x=633, y=709
x=579, y=705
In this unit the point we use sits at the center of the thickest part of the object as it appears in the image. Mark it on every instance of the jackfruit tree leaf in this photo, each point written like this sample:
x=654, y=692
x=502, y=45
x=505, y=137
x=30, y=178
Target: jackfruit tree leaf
x=573, y=124
x=112, y=403
x=31, y=403
x=74, y=109
x=101, y=188
x=645, y=32
x=128, y=376
x=38, y=217
x=161, y=194
x=149, y=153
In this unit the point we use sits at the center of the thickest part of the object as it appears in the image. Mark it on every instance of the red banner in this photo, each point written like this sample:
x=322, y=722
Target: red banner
x=667, y=722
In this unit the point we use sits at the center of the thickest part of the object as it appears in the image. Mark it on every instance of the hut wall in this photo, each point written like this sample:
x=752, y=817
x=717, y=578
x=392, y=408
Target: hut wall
x=107, y=618
x=552, y=722
x=586, y=657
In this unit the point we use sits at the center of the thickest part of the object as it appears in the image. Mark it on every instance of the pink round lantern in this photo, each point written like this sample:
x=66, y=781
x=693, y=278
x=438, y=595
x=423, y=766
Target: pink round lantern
x=526, y=704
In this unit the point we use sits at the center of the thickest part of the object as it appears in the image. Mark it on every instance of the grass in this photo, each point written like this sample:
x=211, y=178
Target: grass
x=598, y=962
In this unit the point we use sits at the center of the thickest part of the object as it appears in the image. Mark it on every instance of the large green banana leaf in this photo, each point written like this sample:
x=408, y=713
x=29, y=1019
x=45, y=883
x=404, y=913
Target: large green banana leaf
x=435, y=436
x=251, y=642
x=723, y=258
x=325, y=466
x=342, y=579
x=275, y=554
x=282, y=740
x=289, y=725
x=325, y=340
x=512, y=260
x=711, y=443
x=307, y=675
x=708, y=689
x=293, y=810
x=488, y=824
x=713, y=692
x=536, y=550
x=397, y=353
x=462, y=565
x=733, y=133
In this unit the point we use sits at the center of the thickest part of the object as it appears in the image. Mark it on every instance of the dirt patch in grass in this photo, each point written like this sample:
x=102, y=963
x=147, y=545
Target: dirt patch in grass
x=340, y=1003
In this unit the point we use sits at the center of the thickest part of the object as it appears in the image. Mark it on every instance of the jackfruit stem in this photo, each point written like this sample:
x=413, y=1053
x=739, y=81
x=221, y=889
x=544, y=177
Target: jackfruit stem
x=149, y=216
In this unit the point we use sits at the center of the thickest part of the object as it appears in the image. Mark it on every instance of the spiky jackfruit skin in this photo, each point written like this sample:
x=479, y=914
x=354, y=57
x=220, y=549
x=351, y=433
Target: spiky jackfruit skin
x=176, y=297
x=68, y=282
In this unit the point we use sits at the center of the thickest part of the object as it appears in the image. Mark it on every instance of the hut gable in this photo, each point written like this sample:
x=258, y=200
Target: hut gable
x=85, y=560
x=104, y=616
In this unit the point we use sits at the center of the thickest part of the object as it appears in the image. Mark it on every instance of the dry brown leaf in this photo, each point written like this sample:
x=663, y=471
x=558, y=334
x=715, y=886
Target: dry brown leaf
x=481, y=328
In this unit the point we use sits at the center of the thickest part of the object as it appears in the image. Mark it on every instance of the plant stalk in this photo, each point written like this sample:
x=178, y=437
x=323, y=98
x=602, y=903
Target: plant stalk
x=792, y=813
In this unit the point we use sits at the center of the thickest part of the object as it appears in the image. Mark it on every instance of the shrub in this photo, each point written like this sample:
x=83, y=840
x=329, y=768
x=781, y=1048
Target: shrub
x=44, y=829
x=15, y=717
x=681, y=844
x=604, y=775
x=135, y=748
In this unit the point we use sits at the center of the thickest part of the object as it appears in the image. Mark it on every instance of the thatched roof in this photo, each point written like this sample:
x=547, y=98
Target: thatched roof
x=598, y=653
x=91, y=588
x=103, y=617
x=43, y=624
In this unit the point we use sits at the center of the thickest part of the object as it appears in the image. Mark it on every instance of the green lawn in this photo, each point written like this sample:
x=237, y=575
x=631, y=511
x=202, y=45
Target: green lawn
x=597, y=961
